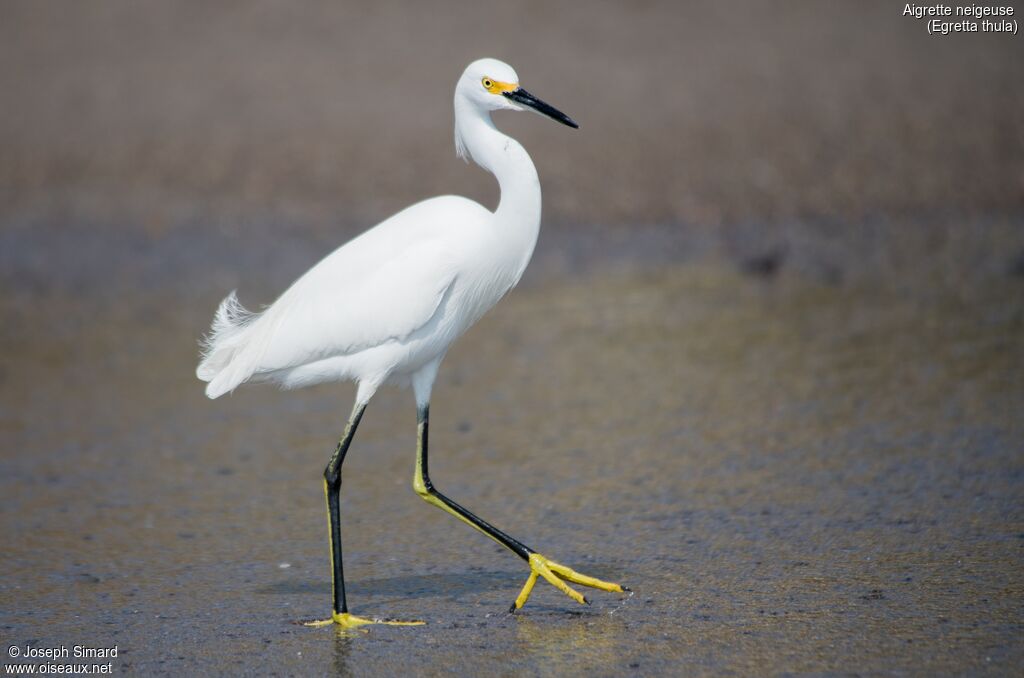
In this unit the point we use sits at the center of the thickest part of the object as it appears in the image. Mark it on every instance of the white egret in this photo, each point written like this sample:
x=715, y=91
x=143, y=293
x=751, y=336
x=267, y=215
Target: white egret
x=386, y=306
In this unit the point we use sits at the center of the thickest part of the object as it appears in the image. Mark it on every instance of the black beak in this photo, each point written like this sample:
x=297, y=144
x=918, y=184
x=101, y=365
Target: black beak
x=521, y=96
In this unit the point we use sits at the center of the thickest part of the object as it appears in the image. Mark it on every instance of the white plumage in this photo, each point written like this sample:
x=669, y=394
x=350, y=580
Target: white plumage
x=387, y=305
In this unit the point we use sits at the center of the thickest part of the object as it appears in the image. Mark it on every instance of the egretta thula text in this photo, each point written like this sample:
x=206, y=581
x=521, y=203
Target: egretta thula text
x=386, y=306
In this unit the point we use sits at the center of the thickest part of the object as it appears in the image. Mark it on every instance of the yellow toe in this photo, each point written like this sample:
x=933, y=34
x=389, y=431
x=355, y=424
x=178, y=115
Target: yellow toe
x=346, y=620
x=577, y=578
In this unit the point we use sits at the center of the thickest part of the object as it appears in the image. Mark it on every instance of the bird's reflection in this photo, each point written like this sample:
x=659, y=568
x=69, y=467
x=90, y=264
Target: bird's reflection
x=342, y=652
x=577, y=643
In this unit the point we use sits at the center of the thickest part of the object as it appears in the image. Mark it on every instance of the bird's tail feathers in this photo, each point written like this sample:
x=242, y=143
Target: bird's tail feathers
x=221, y=347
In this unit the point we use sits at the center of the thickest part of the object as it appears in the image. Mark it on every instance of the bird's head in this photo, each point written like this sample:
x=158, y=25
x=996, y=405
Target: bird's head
x=492, y=85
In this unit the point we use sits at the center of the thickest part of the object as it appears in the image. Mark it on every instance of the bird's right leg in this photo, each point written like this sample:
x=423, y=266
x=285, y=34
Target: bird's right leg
x=332, y=489
x=554, y=573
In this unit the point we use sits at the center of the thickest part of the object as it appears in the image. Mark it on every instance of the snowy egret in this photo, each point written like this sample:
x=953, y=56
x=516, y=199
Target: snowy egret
x=386, y=306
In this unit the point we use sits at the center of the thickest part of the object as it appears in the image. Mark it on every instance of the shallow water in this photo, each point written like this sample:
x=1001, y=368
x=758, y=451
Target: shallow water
x=792, y=475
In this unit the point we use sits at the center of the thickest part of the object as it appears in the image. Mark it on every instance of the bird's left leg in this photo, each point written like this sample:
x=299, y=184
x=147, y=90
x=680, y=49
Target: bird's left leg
x=553, y=572
x=332, y=490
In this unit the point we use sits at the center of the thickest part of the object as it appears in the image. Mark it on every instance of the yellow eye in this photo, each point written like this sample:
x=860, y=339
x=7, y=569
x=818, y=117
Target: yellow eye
x=487, y=83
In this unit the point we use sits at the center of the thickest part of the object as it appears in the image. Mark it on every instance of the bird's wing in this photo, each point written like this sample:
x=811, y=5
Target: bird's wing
x=382, y=286
x=342, y=306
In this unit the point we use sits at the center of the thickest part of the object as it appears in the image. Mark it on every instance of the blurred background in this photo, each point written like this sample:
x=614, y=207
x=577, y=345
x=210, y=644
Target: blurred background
x=767, y=367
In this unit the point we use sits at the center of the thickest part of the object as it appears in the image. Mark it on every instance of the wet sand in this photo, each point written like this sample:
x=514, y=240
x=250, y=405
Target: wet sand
x=769, y=375
x=793, y=476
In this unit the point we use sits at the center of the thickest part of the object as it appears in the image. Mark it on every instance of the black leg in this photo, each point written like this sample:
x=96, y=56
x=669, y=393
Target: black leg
x=421, y=483
x=332, y=488
x=554, y=573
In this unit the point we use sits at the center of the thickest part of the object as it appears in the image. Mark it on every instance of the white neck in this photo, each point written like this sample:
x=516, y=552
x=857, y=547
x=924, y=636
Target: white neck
x=508, y=161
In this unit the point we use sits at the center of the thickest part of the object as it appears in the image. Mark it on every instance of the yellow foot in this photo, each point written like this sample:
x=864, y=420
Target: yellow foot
x=555, y=573
x=351, y=621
